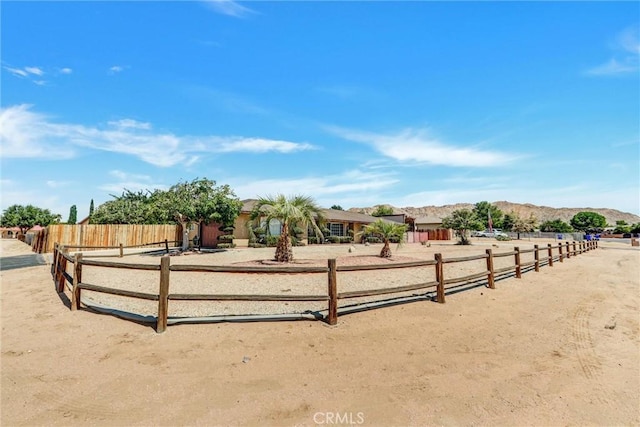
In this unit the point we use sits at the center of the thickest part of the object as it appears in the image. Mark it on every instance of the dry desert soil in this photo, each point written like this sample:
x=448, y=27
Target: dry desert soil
x=560, y=347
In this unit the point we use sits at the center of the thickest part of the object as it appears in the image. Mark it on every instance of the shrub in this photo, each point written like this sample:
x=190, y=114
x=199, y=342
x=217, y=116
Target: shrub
x=334, y=239
x=503, y=238
x=226, y=238
x=313, y=240
x=257, y=245
x=272, y=241
x=373, y=239
x=226, y=245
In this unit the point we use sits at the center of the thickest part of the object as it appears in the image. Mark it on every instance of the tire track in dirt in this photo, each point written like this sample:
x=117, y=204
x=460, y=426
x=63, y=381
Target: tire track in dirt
x=584, y=343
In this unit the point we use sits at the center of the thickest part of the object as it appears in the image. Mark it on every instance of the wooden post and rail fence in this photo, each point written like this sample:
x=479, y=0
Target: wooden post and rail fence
x=75, y=285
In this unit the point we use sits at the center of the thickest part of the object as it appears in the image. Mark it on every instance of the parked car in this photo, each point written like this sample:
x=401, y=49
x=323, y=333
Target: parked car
x=489, y=233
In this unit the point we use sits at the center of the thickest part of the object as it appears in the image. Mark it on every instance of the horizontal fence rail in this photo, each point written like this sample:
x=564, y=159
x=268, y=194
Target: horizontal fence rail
x=73, y=281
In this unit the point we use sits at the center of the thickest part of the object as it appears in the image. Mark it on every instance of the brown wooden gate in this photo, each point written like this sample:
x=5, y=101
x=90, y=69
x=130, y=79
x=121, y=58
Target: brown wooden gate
x=209, y=235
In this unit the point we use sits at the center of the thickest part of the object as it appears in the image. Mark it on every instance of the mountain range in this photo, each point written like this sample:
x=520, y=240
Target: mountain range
x=542, y=213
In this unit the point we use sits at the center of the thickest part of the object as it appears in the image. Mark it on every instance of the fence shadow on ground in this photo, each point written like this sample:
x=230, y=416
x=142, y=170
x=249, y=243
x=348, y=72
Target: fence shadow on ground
x=543, y=256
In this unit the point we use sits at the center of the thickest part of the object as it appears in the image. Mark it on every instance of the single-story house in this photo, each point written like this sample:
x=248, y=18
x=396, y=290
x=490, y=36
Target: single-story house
x=339, y=223
x=424, y=223
x=9, y=232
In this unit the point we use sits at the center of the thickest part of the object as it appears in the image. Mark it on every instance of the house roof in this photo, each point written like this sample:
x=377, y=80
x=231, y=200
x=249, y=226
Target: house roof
x=338, y=215
x=329, y=214
x=428, y=220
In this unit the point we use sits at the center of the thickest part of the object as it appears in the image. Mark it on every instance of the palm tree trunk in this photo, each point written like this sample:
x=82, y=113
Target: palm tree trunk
x=284, y=251
x=386, y=250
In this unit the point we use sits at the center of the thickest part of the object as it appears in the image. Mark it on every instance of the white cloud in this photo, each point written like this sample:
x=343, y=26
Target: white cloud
x=40, y=82
x=613, y=67
x=32, y=135
x=417, y=146
x=29, y=135
x=626, y=59
x=34, y=70
x=57, y=184
x=258, y=145
x=130, y=124
x=116, y=69
x=229, y=8
x=326, y=188
x=16, y=71
x=131, y=182
x=66, y=70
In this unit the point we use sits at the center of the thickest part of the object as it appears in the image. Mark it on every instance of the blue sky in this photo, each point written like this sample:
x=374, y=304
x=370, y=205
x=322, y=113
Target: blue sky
x=353, y=103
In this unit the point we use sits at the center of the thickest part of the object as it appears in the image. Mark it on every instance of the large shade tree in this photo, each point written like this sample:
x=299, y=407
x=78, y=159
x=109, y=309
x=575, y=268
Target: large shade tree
x=556, y=226
x=26, y=217
x=382, y=210
x=588, y=222
x=289, y=211
x=462, y=221
x=185, y=203
x=524, y=224
x=200, y=201
x=485, y=211
x=386, y=231
x=141, y=207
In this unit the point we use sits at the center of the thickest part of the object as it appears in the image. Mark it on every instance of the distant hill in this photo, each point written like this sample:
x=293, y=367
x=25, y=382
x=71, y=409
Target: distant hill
x=542, y=213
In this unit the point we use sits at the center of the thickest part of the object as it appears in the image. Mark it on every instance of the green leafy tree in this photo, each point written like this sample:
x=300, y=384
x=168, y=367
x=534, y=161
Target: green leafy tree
x=462, y=221
x=508, y=220
x=26, y=217
x=73, y=215
x=141, y=207
x=200, y=201
x=556, y=226
x=337, y=207
x=290, y=212
x=382, y=210
x=184, y=203
x=588, y=222
x=91, y=209
x=622, y=227
x=386, y=231
x=524, y=225
x=635, y=228
x=482, y=211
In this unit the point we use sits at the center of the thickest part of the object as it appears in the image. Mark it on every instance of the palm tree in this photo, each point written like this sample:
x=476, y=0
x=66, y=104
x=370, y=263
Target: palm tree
x=387, y=231
x=290, y=211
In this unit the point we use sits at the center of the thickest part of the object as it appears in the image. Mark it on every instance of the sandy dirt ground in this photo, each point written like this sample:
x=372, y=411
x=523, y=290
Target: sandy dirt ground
x=558, y=347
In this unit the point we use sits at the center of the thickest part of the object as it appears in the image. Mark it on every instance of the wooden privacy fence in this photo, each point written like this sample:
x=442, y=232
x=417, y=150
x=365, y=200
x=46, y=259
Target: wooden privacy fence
x=73, y=282
x=101, y=236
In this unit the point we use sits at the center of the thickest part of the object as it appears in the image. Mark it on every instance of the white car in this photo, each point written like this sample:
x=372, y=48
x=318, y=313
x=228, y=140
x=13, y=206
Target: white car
x=488, y=233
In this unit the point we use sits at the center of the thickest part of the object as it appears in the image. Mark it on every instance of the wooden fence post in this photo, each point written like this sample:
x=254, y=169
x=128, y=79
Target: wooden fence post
x=77, y=279
x=568, y=251
x=574, y=249
x=440, y=278
x=560, y=251
x=121, y=250
x=332, y=315
x=166, y=245
x=518, y=267
x=536, y=257
x=62, y=268
x=550, y=253
x=53, y=258
x=163, y=295
x=490, y=276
